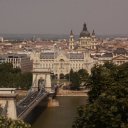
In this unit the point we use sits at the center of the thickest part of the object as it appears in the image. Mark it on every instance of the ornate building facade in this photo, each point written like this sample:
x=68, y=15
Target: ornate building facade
x=62, y=62
x=118, y=57
x=76, y=57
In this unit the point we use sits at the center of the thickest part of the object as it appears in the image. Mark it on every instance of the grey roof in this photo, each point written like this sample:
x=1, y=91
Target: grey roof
x=76, y=55
x=13, y=55
x=48, y=55
x=119, y=51
x=2, y=56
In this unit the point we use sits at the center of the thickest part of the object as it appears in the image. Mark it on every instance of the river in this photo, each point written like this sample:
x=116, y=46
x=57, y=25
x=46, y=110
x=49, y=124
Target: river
x=62, y=116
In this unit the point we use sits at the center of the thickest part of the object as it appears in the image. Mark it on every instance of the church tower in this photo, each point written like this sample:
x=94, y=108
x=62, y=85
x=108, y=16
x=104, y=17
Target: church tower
x=93, y=34
x=71, y=41
x=93, y=40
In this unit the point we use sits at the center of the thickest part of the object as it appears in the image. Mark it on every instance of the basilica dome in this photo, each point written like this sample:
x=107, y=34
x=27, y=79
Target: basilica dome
x=85, y=32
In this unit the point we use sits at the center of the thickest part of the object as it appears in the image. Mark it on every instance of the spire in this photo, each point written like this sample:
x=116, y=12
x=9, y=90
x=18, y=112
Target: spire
x=93, y=33
x=84, y=27
x=71, y=33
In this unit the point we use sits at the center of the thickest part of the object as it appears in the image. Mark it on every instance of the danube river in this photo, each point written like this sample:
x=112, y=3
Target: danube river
x=62, y=116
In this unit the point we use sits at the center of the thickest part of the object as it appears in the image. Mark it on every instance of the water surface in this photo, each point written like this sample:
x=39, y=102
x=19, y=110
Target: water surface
x=62, y=116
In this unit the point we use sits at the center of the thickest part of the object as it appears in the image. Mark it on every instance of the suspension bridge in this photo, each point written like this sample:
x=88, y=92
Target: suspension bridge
x=41, y=89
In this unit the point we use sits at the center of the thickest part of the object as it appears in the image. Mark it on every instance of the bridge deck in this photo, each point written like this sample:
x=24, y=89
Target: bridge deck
x=29, y=102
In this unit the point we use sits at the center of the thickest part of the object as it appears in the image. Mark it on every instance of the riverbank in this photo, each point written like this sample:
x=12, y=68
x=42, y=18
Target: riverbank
x=62, y=92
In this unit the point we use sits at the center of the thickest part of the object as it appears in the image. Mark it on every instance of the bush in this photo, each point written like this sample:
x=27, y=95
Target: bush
x=9, y=123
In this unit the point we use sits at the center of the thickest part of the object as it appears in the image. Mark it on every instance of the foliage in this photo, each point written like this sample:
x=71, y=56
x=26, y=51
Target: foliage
x=13, y=77
x=83, y=76
x=71, y=75
x=108, y=98
x=77, y=79
x=9, y=123
x=26, y=80
x=101, y=78
x=110, y=110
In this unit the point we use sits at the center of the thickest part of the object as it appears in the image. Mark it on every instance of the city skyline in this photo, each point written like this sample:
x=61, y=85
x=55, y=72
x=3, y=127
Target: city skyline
x=59, y=17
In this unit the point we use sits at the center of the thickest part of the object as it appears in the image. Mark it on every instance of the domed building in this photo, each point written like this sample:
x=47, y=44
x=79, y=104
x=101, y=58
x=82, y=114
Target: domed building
x=87, y=40
x=85, y=32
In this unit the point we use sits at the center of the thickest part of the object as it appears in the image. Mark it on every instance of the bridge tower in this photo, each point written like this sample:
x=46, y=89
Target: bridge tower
x=42, y=79
x=7, y=102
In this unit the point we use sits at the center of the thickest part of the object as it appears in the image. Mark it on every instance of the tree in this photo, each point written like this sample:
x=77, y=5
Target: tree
x=110, y=110
x=71, y=75
x=101, y=78
x=13, y=77
x=25, y=80
x=83, y=76
x=67, y=77
x=75, y=81
x=6, y=67
x=108, y=106
x=9, y=123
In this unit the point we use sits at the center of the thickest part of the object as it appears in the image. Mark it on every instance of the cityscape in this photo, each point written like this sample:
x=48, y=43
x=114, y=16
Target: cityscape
x=62, y=55
x=78, y=79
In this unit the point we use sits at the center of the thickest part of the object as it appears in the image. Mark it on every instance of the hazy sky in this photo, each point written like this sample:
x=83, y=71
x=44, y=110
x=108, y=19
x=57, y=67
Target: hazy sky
x=60, y=16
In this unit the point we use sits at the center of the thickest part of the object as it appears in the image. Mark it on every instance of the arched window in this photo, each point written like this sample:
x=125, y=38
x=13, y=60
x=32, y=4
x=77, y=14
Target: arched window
x=61, y=63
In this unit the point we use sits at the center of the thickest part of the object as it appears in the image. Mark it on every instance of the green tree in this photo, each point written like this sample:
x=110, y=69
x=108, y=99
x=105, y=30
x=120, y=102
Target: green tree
x=6, y=67
x=67, y=77
x=101, y=78
x=71, y=75
x=9, y=123
x=75, y=81
x=83, y=76
x=109, y=99
x=110, y=110
x=13, y=77
x=25, y=80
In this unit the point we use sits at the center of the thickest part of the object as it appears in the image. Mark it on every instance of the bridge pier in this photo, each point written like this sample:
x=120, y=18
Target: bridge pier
x=48, y=83
x=8, y=102
x=41, y=79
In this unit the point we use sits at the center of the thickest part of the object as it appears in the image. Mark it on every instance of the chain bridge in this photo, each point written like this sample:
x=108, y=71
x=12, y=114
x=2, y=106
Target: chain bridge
x=41, y=89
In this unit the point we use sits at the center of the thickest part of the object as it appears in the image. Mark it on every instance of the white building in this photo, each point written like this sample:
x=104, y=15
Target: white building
x=62, y=62
x=118, y=57
x=21, y=61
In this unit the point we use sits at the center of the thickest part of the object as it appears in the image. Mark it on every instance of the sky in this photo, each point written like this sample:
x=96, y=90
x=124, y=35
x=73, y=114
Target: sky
x=60, y=16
